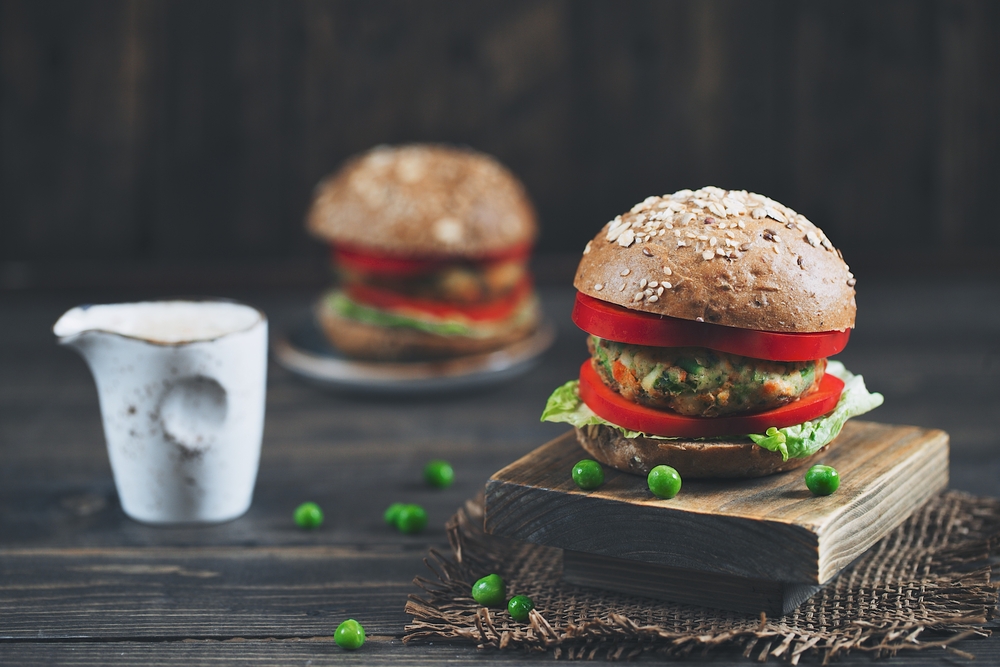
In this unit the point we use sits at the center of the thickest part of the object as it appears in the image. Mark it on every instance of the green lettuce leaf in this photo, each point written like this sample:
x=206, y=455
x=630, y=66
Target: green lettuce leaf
x=805, y=439
x=344, y=306
x=801, y=440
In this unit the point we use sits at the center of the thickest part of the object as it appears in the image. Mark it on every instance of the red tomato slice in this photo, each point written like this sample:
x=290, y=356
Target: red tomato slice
x=368, y=262
x=480, y=312
x=612, y=406
x=607, y=320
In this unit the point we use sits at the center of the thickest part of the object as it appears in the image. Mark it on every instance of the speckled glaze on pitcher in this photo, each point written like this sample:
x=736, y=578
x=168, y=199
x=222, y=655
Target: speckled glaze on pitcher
x=182, y=388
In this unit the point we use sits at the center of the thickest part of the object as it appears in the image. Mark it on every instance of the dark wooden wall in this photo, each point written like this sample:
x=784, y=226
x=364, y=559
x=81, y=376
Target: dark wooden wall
x=192, y=130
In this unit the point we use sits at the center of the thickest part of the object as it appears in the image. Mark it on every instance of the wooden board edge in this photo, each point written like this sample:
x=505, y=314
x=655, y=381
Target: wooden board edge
x=898, y=503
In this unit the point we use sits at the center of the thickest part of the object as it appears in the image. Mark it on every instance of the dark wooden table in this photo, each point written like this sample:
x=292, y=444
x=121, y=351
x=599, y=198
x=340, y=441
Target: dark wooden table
x=81, y=584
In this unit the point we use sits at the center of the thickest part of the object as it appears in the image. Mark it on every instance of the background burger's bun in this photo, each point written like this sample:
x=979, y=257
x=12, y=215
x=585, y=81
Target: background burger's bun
x=691, y=458
x=423, y=200
x=730, y=257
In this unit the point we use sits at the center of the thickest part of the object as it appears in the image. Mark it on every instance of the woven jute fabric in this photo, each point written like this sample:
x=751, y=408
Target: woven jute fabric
x=927, y=584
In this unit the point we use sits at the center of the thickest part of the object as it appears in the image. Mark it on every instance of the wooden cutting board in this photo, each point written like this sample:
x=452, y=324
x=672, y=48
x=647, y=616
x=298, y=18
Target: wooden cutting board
x=761, y=544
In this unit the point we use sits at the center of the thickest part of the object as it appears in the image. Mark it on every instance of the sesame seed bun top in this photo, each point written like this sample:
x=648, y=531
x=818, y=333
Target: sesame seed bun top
x=732, y=257
x=423, y=200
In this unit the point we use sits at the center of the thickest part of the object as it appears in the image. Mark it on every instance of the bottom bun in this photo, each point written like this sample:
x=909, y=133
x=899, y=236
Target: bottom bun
x=372, y=342
x=692, y=459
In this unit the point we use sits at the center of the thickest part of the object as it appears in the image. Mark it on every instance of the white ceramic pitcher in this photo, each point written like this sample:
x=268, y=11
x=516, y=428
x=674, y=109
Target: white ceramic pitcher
x=181, y=386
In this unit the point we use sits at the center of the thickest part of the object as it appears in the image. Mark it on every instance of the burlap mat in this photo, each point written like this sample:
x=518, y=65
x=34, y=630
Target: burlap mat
x=925, y=585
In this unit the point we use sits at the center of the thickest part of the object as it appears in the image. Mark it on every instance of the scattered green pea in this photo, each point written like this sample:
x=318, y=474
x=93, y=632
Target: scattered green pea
x=519, y=606
x=490, y=591
x=411, y=519
x=664, y=482
x=392, y=513
x=822, y=480
x=439, y=474
x=588, y=474
x=308, y=516
x=349, y=635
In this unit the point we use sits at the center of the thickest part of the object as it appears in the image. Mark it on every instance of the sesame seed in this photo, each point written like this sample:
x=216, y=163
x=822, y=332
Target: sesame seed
x=681, y=244
x=642, y=283
x=741, y=224
x=713, y=241
x=776, y=249
x=745, y=247
x=812, y=239
x=659, y=290
x=667, y=270
x=699, y=319
x=639, y=296
x=622, y=288
x=702, y=237
x=851, y=282
x=625, y=272
x=777, y=239
x=653, y=299
x=720, y=252
x=627, y=238
x=598, y=287
x=647, y=252
x=759, y=213
x=653, y=283
x=731, y=235
x=707, y=255
x=667, y=285
x=647, y=292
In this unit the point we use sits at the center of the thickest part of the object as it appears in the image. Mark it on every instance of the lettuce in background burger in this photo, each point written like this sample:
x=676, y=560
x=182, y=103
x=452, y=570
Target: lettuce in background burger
x=431, y=245
x=711, y=315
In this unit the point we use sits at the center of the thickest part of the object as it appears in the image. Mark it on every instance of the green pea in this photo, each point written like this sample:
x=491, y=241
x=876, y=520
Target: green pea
x=349, y=635
x=519, y=606
x=822, y=480
x=392, y=513
x=588, y=474
x=308, y=516
x=490, y=591
x=439, y=474
x=411, y=519
x=664, y=482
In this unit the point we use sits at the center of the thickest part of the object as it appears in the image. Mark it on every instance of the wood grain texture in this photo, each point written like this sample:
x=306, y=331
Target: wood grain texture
x=722, y=591
x=58, y=509
x=766, y=528
x=150, y=129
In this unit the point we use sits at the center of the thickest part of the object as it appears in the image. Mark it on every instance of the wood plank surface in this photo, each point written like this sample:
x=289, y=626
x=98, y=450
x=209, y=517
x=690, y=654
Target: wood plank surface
x=763, y=528
x=151, y=129
x=722, y=591
x=58, y=508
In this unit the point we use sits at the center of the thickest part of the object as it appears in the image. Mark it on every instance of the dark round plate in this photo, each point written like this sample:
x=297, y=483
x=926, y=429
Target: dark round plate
x=305, y=351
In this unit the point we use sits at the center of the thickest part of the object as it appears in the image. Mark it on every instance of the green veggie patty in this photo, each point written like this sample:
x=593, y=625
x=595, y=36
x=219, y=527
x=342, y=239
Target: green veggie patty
x=699, y=382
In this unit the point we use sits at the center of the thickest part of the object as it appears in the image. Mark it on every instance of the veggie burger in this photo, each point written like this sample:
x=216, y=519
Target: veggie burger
x=431, y=245
x=711, y=315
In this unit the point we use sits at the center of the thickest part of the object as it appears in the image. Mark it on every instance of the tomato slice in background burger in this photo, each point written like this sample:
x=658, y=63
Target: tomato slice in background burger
x=613, y=322
x=368, y=262
x=497, y=309
x=615, y=408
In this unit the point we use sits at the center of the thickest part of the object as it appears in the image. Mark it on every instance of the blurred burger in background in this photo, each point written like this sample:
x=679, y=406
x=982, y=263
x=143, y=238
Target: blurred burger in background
x=431, y=246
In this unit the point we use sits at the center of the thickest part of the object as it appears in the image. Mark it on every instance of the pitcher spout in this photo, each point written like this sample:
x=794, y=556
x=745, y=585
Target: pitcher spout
x=71, y=327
